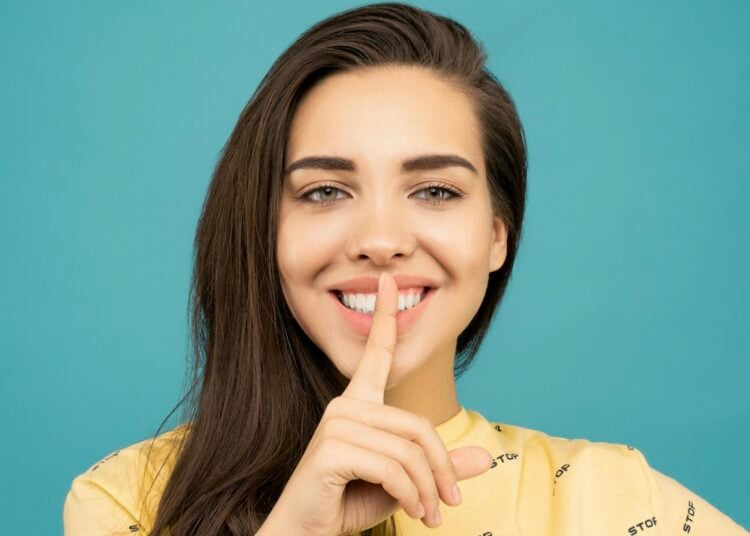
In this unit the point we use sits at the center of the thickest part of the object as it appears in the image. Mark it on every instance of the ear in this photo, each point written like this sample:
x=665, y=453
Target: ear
x=499, y=246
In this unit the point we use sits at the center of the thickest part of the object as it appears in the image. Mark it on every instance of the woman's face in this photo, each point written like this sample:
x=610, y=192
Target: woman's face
x=378, y=217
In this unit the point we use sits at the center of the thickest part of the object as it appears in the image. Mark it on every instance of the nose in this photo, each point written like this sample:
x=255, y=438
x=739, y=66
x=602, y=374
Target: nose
x=380, y=232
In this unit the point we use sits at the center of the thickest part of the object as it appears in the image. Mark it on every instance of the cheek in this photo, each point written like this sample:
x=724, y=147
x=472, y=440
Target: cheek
x=291, y=261
x=306, y=244
x=303, y=251
x=463, y=249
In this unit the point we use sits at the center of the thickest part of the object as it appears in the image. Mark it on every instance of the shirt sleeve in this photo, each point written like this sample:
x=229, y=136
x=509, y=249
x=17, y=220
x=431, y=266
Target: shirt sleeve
x=90, y=510
x=684, y=512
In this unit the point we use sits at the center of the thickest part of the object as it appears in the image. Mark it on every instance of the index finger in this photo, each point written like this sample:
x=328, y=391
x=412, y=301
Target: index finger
x=369, y=379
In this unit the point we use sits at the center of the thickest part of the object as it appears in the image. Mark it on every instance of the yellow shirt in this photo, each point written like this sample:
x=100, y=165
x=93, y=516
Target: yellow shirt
x=540, y=485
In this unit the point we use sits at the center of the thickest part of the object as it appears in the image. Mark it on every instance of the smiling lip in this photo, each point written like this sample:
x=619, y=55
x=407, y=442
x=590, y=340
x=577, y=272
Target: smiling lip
x=360, y=323
x=369, y=284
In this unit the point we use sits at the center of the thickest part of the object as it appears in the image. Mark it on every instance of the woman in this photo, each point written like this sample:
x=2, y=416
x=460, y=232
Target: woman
x=322, y=404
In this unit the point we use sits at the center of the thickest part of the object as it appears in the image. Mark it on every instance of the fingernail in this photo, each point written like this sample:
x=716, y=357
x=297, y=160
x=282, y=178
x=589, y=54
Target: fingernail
x=456, y=494
x=437, y=518
x=380, y=281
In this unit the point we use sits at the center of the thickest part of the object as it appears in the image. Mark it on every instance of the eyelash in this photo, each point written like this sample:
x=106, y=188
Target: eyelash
x=440, y=186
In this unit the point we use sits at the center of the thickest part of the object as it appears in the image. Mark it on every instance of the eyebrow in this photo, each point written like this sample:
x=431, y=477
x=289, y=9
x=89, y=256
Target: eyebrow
x=418, y=163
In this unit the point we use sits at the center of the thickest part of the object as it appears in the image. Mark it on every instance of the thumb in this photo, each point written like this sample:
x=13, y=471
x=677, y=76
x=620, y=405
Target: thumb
x=470, y=461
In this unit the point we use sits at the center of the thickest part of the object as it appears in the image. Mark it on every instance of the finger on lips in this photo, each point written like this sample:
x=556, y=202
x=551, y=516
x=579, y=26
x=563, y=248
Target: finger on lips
x=371, y=376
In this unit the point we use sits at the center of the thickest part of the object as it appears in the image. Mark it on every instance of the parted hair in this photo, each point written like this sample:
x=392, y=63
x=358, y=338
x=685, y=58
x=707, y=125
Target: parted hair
x=256, y=385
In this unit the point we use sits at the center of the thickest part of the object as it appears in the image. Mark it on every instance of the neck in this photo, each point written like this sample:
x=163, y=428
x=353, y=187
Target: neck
x=429, y=391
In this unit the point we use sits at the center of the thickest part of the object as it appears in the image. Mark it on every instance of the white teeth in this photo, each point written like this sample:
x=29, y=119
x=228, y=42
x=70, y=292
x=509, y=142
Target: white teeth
x=365, y=303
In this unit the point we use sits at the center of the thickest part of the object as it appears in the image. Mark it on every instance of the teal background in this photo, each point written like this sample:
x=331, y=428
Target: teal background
x=625, y=320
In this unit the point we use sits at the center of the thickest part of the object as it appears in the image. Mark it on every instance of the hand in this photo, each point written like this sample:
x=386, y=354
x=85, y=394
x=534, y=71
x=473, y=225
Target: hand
x=366, y=459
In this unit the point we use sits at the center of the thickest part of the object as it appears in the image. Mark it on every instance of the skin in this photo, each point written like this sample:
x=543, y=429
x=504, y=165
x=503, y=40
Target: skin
x=380, y=219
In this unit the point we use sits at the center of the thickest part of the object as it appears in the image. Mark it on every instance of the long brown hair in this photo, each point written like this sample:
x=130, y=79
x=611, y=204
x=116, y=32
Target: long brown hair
x=258, y=386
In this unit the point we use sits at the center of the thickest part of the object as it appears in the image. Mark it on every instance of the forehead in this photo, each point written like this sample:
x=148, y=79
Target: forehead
x=384, y=114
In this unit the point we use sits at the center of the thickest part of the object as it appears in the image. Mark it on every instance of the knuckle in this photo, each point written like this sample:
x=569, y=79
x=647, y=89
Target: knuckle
x=414, y=454
x=333, y=426
x=423, y=424
x=334, y=406
x=327, y=445
x=393, y=470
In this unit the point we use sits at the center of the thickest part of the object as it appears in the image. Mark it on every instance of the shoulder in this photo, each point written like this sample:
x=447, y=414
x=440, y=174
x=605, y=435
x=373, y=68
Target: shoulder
x=591, y=487
x=537, y=446
x=112, y=495
x=610, y=486
x=116, y=470
x=575, y=455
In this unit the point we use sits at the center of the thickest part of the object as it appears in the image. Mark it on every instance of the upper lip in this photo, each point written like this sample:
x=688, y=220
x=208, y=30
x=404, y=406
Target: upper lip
x=369, y=284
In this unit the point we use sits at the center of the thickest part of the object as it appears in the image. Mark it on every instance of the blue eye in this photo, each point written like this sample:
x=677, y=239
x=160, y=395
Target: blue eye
x=444, y=188
x=328, y=189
